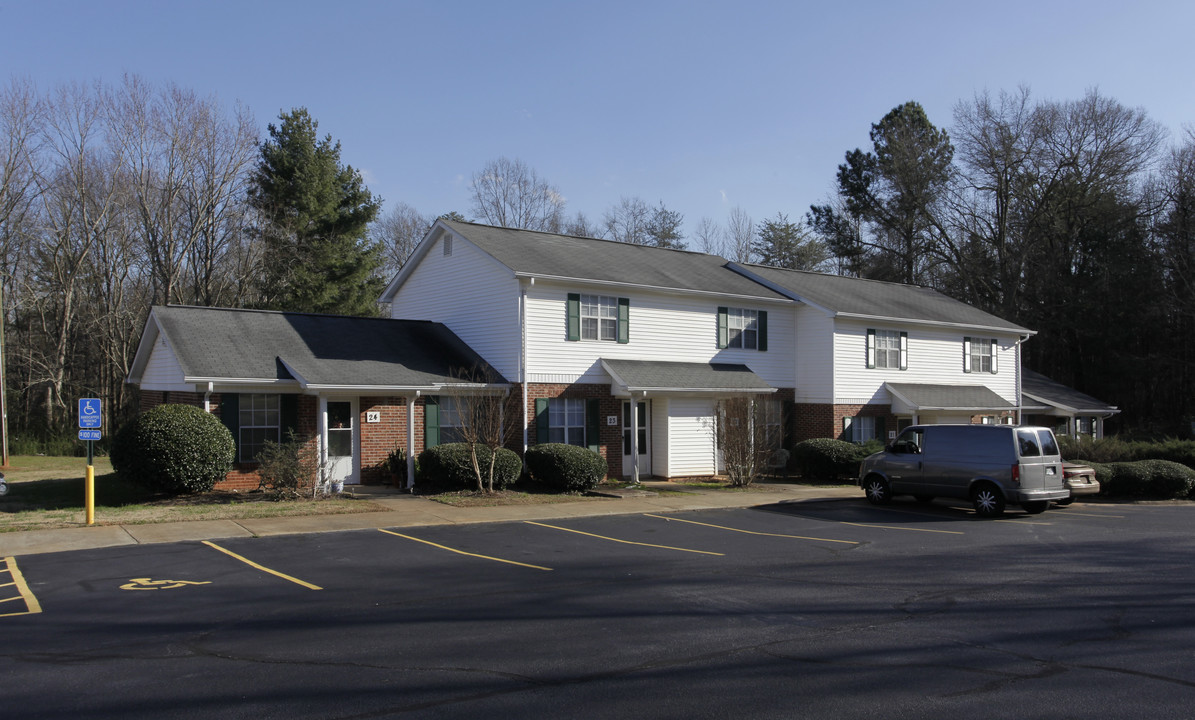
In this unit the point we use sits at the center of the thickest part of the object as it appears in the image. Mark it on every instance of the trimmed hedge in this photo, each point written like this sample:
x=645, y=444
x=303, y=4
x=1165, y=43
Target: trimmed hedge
x=174, y=449
x=569, y=468
x=826, y=459
x=1113, y=449
x=448, y=467
x=1145, y=479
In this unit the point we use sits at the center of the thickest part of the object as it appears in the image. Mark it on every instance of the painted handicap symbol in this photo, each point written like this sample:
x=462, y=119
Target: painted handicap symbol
x=147, y=584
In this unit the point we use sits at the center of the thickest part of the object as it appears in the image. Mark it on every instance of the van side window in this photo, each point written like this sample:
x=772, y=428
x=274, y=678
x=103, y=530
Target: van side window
x=1049, y=446
x=1027, y=443
x=908, y=442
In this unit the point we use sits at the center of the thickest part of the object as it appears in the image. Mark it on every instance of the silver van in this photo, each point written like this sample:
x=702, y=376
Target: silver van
x=990, y=465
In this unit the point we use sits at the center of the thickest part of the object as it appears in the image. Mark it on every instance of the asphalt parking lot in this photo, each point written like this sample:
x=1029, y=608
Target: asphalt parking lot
x=791, y=610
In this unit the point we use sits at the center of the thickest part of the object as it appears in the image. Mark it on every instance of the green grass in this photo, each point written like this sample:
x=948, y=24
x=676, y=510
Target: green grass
x=49, y=492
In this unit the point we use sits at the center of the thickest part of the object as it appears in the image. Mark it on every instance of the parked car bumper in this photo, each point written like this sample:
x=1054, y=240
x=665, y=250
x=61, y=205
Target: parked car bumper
x=1080, y=480
x=1024, y=496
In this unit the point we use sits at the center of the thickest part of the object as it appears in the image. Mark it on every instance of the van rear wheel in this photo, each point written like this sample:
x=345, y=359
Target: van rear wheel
x=877, y=490
x=987, y=500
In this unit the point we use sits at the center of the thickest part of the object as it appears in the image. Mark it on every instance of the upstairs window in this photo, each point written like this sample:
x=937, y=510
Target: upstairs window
x=742, y=328
x=887, y=349
x=979, y=354
x=598, y=317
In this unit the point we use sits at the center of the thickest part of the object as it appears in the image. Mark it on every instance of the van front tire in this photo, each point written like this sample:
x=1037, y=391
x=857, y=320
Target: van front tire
x=987, y=500
x=877, y=490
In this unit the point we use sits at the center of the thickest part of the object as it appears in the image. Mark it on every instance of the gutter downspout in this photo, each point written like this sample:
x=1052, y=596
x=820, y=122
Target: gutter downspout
x=207, y=398
x=523, y=358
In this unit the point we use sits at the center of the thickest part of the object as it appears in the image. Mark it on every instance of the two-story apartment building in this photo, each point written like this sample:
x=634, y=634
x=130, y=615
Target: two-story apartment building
x=622, y=348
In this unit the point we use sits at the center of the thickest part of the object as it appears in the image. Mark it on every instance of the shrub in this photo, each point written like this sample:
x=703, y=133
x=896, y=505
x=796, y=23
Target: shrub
x=449, y=467
x=1146, y=479
x=569, y=468
x=174, y=449
x=396, y=465
x=827, y=458
x=287, y=469
x=1113, y=450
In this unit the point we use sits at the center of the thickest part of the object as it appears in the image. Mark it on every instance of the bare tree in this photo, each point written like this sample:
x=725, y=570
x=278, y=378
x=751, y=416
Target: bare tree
x=399, y=232
x=740, y=233
x=746, y=438
x=508, y=193
x=629, y=221
x=710, y=236
x=482, y=415
x=581, y=226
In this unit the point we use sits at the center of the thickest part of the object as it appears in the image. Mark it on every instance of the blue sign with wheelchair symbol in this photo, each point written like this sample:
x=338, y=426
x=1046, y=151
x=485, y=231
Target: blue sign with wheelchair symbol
x=90, y=415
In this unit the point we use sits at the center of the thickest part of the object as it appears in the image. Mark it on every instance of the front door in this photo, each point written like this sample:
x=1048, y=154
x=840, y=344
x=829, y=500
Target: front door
x=342, y=441
x=644, y=440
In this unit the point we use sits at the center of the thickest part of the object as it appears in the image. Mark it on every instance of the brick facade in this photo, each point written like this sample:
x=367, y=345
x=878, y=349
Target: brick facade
x=610, y=440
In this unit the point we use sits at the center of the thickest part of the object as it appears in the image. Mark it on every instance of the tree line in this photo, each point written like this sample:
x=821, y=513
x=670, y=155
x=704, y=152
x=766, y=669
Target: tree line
x=1073, y=218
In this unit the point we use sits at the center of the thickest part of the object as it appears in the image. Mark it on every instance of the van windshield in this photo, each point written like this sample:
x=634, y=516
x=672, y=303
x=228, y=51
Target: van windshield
x=1049, y=446
x=1027, y=443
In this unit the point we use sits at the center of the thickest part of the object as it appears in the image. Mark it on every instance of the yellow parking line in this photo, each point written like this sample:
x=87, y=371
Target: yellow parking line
x=1066, y=512
x=891, y=527
x=625, y=542
x=32, y=606
x=263, y=568
x=462, y=552
x=750, y=532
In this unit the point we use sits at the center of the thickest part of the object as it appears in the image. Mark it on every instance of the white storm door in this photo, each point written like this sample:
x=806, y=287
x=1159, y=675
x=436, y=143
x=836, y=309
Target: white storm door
x=644, y=438
x=341, y=441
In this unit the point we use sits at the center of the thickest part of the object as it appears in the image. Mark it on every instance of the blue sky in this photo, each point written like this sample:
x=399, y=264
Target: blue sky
x=703, y=105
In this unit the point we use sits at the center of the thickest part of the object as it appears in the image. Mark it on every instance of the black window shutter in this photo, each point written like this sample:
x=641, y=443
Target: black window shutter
x=431, y=421
x=541, y=420
x=230, y=415
x=624, y=320
x=763, y=331
x=288, y=410
x=723, y=328
x=574, y=316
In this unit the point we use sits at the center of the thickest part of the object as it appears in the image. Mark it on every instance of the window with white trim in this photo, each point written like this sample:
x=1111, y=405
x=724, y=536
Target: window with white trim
x=566, y=421
x=887, y=349
x=979, y=354
x=862, y=428
x=742, y=328
x=599, y=318
x=260, y=421
x=451, y=429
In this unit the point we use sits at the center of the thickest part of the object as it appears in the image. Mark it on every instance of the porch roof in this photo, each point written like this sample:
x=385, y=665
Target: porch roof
x=1055, y=395
x=318, y=352
x=656, y=376
x=916, y=397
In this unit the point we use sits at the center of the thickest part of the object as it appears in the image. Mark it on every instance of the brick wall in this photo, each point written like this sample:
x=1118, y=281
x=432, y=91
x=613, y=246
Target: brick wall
x=380, y=438
x=610, y=440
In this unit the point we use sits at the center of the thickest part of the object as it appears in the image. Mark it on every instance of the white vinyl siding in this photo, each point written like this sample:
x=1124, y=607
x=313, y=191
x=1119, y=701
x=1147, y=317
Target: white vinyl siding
x=662, y=327
x=162, y=371
x=933, y=358
x=471, y=293
x=691, y=449
x=814, y=356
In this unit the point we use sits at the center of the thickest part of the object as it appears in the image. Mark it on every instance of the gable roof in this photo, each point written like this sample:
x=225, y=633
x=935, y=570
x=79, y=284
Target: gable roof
x=851, y=297
x=1043, y=389
x=529, y=253
x=315, y=351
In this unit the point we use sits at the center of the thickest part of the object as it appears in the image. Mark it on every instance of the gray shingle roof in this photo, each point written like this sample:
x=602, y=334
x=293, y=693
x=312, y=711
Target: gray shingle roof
x=323, y=350
x=549, y=255
x=684, y=376
x=1055, y=393
x=948, y=397
x=847, y=296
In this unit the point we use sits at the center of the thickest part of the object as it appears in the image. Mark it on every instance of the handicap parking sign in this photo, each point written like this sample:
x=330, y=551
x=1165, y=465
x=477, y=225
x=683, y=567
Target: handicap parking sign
x=90, y=415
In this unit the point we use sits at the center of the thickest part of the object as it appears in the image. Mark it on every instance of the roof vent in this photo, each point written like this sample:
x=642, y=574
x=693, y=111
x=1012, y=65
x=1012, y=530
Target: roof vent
x=447, y=245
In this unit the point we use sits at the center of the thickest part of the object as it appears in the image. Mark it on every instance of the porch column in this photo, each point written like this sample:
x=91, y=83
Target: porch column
x=321, y=428
x=635, y=437
x=411, y=440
